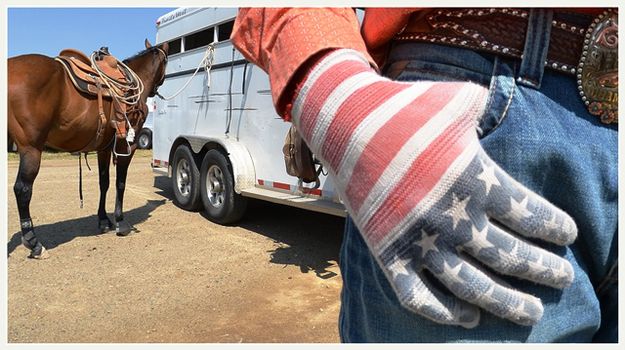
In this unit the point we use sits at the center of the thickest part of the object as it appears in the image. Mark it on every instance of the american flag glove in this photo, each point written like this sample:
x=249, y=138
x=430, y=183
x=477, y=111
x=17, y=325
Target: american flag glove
x=428, y=200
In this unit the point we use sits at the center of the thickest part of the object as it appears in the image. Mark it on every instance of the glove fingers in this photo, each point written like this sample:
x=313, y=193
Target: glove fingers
x=511, y=256
x=522, y=210
x=470, y=284
x=426, y=300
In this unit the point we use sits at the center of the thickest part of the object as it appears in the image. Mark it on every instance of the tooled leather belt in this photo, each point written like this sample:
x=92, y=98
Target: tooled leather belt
x=578, y=45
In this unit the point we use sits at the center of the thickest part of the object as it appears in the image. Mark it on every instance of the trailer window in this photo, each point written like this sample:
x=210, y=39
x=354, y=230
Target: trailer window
x=199, y=39
x=174, y=46
x=225, y=29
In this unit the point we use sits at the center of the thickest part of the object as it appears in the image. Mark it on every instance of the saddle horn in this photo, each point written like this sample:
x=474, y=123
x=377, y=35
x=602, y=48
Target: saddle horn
x=101, y=53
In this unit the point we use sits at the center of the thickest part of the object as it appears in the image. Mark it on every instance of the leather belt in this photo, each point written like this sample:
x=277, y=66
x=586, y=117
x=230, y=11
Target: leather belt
x=502, y=31
x=498, y=30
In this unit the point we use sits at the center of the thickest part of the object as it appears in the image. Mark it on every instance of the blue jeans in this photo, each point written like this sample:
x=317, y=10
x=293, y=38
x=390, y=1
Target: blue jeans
x=544, y=137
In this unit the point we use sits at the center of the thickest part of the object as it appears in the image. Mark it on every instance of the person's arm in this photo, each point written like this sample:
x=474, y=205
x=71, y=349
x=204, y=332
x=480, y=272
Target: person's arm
x=410, y=170
x=285, y=41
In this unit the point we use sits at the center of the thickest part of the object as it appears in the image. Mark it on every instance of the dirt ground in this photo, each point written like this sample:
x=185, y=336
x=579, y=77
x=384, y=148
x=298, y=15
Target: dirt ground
x=271, y=278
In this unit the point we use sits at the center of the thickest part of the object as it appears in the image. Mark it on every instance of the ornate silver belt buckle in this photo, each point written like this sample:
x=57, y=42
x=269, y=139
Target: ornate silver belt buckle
x=597, y=72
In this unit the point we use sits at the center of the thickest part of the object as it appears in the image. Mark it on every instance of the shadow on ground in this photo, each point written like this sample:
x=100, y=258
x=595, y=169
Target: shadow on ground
x=55, y=234
x=306, y=239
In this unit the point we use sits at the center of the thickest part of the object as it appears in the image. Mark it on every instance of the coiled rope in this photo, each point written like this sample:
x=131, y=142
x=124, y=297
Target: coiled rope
x=206, y=62
x=134, y=88
x=134, y=85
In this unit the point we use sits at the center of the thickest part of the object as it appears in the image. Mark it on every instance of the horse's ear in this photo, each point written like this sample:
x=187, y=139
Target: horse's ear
x=147, y=44
x=165, y=47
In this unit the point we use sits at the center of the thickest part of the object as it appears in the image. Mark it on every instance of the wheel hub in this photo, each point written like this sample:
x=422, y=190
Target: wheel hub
x=143, y=140
x=215, y=186
x=182, y=177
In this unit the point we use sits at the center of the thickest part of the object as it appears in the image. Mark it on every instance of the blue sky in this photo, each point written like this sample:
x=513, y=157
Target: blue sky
x=48, y=30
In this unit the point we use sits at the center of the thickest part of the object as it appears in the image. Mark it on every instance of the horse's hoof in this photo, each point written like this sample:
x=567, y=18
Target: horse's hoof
x=105, y=225
x=39, y=254
x=123, y=228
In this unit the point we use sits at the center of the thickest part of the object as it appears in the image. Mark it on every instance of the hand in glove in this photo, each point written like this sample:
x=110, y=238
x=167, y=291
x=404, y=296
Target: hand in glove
x=426, y=197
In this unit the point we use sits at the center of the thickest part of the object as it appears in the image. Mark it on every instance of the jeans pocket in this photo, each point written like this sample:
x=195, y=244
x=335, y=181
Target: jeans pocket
x=463, y=65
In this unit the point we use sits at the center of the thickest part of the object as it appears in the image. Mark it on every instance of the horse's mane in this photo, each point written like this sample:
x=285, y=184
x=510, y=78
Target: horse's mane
x=139, y=54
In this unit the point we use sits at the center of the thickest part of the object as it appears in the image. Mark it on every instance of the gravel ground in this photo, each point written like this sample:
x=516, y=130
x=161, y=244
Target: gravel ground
x=273, y=277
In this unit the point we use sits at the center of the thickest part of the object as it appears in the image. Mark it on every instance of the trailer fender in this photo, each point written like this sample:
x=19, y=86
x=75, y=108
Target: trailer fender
x=242, y=165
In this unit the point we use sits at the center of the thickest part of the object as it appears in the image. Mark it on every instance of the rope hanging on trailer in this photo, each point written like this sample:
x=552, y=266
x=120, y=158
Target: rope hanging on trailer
x=230, y=94
x=206, y=62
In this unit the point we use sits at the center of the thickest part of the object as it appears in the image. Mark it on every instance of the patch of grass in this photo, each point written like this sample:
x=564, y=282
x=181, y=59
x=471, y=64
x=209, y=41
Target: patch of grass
x=14, y=156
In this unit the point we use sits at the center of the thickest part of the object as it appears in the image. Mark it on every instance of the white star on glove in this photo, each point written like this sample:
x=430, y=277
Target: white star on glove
x=458, y=210
x=427, y=243
x=398, y=267
x=478, y=239
x=489, y=178
x=519, y=209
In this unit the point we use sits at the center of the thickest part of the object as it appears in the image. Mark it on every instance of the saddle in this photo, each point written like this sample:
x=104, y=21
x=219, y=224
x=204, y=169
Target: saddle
x=86, y=79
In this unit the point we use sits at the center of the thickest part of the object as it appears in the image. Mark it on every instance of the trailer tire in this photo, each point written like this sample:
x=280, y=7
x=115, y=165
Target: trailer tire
x=222, y=204
x=144, y=140
x=185, y=179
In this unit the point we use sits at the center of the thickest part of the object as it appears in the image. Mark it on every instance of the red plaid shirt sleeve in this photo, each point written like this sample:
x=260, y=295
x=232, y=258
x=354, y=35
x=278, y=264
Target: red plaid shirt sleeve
x=282, y=40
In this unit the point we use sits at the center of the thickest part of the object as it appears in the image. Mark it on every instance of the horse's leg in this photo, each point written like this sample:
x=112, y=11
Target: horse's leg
x=122, y=228
x=104, y=162
x=30, y=160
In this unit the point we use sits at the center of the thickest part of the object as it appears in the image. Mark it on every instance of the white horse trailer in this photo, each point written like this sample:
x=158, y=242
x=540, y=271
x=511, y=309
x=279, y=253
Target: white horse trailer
x=219, y=139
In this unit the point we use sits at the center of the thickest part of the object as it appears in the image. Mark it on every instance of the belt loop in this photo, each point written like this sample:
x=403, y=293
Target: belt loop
x=536, y=47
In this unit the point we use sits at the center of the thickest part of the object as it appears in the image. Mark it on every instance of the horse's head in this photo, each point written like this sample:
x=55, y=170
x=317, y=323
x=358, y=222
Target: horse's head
x=163, y=51
x=150, y=65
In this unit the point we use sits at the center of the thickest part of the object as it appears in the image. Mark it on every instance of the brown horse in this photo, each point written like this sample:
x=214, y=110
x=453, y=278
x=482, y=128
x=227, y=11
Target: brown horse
x=45, y=109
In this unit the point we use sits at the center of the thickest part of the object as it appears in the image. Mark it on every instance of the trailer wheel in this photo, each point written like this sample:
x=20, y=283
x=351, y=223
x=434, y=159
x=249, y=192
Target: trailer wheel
x=222, y=204
x=144, y=141
x=185, y=179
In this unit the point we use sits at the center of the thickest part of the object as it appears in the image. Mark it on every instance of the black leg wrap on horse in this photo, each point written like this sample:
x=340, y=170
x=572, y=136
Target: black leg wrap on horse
x=26, y=224
x=29, y=240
